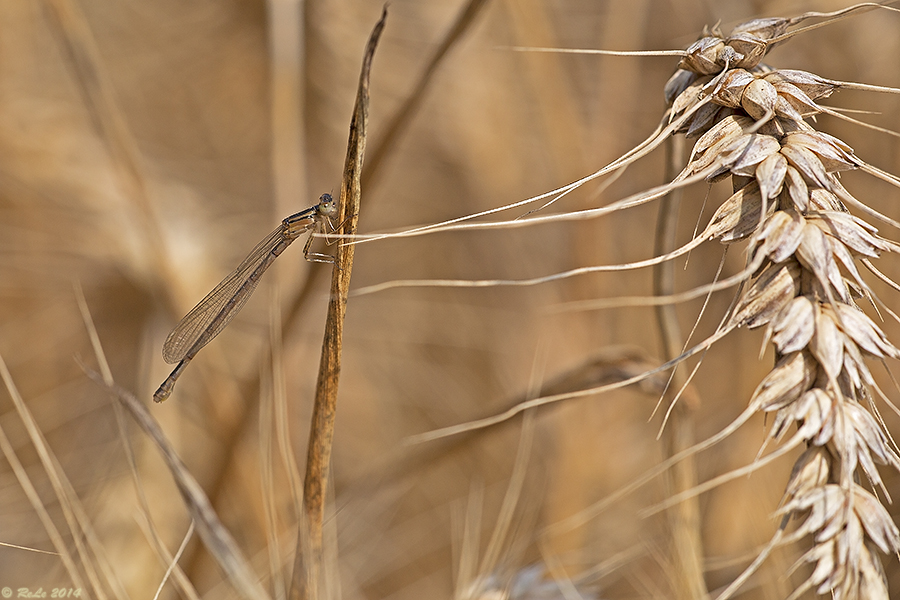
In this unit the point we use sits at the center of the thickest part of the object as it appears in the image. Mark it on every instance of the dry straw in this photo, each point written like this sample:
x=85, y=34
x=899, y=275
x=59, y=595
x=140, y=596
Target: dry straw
x=753, y=124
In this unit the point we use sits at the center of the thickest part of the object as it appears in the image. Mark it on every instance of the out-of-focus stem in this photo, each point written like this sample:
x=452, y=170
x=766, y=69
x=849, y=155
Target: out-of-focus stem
x=684, y=518
x=309, y=558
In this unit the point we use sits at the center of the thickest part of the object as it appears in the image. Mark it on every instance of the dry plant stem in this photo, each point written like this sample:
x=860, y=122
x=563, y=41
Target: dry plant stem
x=25, y=548
x=219, y=471
x=145, y=521
x=215, y=536
x=502, y=538
x=552, y=399
x=173, y=563
x=173, y=568
x=305, y=582
x=550, y=85
x=286, y=75
x=404, y=115
x=666, y=128
x=623, y=161
x=90, y=550
x=684, y=518
x=582, y=518
x=611, y=365
x=34, y=498
x=109, y=119
x=298, y=304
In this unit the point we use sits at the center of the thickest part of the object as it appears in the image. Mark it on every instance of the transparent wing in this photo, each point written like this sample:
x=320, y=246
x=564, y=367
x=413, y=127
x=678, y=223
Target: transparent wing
x=213, y=313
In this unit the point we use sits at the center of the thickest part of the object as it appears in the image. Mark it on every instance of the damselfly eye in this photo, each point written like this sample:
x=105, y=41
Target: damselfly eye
x=327, y=205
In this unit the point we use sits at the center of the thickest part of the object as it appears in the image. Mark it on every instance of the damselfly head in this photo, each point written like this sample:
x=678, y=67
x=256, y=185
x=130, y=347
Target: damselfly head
x=327, y=206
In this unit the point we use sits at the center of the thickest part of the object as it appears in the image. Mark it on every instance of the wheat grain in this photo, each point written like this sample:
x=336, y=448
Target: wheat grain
x=789, y=203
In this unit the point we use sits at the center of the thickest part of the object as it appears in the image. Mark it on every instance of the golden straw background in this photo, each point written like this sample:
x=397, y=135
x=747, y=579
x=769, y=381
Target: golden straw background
x=147, y=173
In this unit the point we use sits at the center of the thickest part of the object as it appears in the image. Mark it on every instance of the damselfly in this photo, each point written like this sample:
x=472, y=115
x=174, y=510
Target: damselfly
x=214, y=312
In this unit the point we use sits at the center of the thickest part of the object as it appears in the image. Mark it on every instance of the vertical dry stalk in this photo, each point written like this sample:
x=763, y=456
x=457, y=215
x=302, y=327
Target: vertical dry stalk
x=373, y=167
x=306, y=584
x=404, y=115
x=806, y=248
x=684, y=519
x=100, y=101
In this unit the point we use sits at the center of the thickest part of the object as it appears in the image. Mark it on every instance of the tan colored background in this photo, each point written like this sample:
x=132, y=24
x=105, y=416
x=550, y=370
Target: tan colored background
x=232, y=132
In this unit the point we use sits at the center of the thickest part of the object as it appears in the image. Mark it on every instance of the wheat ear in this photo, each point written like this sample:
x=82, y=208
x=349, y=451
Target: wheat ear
x=790, y=206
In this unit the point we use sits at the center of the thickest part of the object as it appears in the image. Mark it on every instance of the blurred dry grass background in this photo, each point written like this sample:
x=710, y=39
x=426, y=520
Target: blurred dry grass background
x=231, y=131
